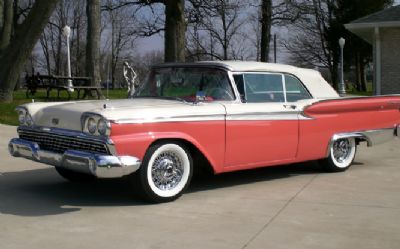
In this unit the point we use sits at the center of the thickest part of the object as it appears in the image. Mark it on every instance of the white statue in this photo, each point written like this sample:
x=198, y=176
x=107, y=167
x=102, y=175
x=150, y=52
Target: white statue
x=130, y=77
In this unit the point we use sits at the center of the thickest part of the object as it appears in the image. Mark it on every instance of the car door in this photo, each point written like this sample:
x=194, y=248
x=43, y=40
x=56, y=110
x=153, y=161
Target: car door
x=264, y=128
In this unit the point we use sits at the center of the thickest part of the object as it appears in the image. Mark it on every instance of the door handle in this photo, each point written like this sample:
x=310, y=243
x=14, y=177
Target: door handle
x=290, y=107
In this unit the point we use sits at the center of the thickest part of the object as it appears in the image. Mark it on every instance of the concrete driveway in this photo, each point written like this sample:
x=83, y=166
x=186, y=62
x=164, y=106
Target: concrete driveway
x=293, y=206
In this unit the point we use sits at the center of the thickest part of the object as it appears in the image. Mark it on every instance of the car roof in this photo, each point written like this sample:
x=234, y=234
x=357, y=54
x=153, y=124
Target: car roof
x=312, y=79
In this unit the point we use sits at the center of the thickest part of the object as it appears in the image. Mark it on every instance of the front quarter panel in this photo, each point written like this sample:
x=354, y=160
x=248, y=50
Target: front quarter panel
x=207, y=136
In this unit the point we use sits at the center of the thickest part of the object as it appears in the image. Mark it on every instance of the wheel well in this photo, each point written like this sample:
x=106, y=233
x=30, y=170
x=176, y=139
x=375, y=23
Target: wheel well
x=200, y=162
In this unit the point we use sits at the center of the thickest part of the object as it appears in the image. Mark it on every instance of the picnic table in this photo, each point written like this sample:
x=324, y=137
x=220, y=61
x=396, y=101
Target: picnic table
x=60, y=83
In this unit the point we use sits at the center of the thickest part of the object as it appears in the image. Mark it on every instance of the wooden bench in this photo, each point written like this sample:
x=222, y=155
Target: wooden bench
x=60, y=83
x=87, y=91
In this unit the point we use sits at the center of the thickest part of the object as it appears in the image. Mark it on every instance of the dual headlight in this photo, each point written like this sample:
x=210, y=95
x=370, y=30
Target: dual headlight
x=24, y=117
x=96, y=125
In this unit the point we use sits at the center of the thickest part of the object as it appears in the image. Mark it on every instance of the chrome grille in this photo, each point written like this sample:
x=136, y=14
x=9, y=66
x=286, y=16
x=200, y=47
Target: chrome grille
x=60, y=143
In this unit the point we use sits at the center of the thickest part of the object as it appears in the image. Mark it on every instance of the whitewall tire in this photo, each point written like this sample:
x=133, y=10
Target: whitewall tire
x=166, y=172
x=341, y=155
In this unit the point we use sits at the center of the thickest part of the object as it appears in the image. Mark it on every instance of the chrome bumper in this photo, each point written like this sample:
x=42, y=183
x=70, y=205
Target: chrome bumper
x=372, y=137
x=101, y=166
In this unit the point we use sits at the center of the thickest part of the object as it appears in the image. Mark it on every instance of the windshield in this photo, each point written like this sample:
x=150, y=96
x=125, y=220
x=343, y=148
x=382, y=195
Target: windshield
x=189, y=84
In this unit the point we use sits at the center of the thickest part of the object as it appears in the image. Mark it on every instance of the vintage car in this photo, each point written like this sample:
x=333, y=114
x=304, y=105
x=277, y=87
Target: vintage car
x=228, y=115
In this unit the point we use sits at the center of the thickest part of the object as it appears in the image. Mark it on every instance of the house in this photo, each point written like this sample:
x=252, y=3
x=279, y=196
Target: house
x=382, y=30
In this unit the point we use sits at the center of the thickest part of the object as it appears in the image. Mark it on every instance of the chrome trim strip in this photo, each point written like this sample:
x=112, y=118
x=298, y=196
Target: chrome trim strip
x=263, y=116
x=101, y=166
x=187, y=118
x=256, y=116
x=372, y=137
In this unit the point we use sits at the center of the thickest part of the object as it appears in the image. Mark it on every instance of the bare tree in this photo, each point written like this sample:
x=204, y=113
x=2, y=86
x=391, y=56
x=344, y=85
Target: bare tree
x=221, y=22
x=6, y=31
x=20, y=48
x=173, y=24
x=72, y=13
x=175, y=28
x=93, y=41
x=123, y=35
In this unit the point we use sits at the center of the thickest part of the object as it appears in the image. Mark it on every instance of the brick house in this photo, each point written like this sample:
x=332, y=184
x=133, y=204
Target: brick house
x=382, y=30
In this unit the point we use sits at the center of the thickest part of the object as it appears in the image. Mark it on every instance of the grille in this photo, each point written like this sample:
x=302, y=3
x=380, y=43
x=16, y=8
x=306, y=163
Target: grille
x=60, y=143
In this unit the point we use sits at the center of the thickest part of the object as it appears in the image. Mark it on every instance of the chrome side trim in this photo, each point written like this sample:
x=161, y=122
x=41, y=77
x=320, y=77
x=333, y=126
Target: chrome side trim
x=372, y=137
x=263, y=116
x=101, y=166
x=255, y=116
x=187, y=118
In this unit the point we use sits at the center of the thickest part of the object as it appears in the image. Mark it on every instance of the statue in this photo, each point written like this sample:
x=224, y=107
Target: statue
x=130, y=77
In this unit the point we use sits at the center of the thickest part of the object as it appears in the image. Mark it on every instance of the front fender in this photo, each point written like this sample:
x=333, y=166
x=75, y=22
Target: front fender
x=207, y=137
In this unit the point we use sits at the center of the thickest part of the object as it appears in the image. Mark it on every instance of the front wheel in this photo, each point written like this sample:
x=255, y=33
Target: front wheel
x=165, y=173
x=341, y=155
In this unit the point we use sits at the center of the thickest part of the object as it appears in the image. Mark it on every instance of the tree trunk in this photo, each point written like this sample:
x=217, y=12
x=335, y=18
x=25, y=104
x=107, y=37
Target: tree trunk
x=266, y=16
x=1, y=15
x=8, y=21
x=334, y=76
x=363, y=75
x=175, y=29
x=26, y=36
x=358, y=73
x=93, y=41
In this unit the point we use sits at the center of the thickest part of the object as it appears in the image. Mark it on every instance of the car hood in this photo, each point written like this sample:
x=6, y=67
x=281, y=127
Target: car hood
x=67, y=115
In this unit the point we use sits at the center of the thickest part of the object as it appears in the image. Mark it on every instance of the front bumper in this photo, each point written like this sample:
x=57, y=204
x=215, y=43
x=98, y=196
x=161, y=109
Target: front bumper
x=101, y=166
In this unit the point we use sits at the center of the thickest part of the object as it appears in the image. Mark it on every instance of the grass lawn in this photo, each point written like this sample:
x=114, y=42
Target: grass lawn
x=8, y=115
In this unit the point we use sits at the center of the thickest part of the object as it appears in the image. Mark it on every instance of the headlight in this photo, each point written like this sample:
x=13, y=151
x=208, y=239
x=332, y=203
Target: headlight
x=21, y=116
x=24, y=117
x=102, y=126
x=95, y=124
x=28, y=120
x=92, y=125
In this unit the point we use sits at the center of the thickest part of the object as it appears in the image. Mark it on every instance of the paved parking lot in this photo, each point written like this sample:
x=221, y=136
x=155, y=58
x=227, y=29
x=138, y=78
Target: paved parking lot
x=294, y=206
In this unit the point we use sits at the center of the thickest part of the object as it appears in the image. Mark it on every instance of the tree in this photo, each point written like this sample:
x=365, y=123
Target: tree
x=175, y=29
x=316, y=35
x=6, y=30
x=123, y=35
x=274, y=13
x=218, y=24
x=14, y=56
x=174, y=25
x=93, y=41
x=266, y=23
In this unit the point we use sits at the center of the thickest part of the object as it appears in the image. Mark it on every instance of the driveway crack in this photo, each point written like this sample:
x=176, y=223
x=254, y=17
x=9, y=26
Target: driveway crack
x=279, y=212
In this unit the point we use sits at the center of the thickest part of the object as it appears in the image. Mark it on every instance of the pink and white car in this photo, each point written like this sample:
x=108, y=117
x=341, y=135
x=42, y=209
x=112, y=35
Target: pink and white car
x=228, y=115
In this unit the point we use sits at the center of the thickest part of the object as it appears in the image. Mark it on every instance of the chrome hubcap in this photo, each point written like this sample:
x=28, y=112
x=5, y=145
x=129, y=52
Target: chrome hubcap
x=167, y=171
x=341, y=150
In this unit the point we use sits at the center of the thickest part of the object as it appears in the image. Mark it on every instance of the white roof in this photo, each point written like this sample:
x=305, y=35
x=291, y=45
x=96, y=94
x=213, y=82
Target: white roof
x=312, y=79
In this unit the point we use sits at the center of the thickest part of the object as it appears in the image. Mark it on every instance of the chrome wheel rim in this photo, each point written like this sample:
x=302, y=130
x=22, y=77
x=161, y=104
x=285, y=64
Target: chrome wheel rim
x=167, y=170
x=341, y=150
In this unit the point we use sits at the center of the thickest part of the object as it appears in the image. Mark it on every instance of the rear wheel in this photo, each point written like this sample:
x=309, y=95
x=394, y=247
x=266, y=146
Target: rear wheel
x=165, y=173
x=341, y=155
x=73, y=176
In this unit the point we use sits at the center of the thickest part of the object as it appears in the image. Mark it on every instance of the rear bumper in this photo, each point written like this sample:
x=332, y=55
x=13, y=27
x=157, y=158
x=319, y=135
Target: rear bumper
x=372, y=137
x=101, y=166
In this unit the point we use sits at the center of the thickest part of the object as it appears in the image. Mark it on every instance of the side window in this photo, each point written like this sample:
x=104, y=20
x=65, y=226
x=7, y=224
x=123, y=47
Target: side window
x=295, y=90
x=263, y=88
